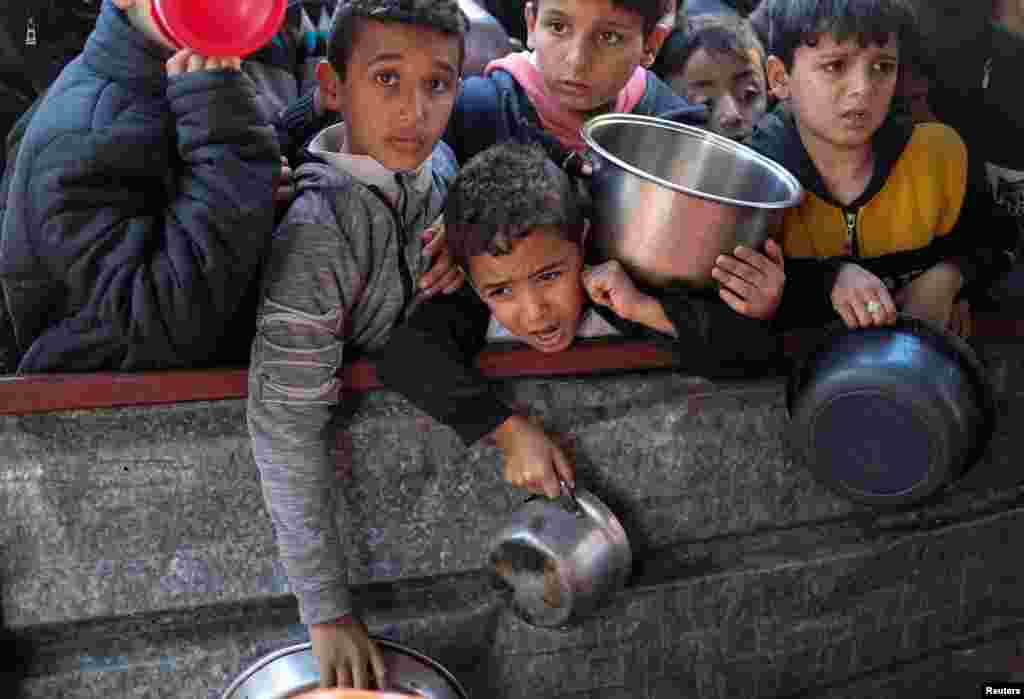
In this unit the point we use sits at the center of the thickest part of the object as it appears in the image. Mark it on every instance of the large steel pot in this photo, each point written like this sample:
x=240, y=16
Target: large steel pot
x=291, y=672
x=887, y=416
x=670, y=198
x=561, y=558
x=487, y=39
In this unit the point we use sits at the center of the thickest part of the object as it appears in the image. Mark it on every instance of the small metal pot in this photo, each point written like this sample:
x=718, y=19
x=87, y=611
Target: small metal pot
x=561, y=558
x=293, y=670
x=888, y=416
x=670, y=198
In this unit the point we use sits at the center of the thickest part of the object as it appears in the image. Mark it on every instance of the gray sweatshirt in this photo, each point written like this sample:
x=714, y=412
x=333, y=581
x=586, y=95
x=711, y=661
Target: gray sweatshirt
x=342, y=272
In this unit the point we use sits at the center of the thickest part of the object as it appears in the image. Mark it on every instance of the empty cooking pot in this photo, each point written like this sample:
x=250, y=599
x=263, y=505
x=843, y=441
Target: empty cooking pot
x=670, y=198
x=887, y=416
x=561, y=558
x=292, y=672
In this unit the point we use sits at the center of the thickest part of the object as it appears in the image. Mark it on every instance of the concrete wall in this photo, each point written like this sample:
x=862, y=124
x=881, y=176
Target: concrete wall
x=138, y=561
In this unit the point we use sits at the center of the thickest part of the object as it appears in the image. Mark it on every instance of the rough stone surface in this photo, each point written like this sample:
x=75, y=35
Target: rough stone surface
x=138, y=559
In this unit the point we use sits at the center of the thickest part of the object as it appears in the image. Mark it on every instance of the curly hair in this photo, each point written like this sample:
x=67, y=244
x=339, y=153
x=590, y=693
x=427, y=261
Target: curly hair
x=444, y=16
x=504, y=193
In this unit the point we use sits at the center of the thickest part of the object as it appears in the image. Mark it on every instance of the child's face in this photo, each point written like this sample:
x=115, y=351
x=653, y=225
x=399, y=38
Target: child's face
x=535, y=291
x=735, y=89
x=586, y=50
x=398, y=92
x=839, y=93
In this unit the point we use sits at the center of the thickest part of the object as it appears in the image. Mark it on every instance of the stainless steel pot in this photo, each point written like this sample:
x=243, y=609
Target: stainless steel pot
x=670, y=198
x=293, y=670
x=561, y=558
x=888, y=416
x=487, y=39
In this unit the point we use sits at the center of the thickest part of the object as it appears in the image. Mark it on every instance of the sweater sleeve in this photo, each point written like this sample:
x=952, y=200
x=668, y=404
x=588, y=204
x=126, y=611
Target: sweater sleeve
x=711, y=339
x=309, y=288
x=444, y=335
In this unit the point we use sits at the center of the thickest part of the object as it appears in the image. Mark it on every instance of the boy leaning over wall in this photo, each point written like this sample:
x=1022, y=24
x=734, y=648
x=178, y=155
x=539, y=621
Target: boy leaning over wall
x=348, y=262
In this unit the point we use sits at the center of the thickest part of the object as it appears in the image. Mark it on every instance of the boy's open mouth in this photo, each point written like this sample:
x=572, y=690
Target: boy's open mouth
x=549, y=336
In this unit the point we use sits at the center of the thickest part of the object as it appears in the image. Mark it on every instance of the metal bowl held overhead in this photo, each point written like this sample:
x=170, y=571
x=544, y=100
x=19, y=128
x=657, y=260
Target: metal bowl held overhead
x=292, y=672
x=888, y=416
x=670, y=198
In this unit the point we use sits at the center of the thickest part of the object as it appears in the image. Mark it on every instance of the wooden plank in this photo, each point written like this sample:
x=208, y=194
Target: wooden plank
x=59, y=392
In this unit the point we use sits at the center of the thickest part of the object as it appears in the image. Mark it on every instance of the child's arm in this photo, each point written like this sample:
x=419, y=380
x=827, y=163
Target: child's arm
x=708, y=336
x=429, y=360
x=312, y=281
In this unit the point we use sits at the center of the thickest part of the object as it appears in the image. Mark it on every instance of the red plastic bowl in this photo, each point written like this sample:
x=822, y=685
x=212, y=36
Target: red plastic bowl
x=220, y=27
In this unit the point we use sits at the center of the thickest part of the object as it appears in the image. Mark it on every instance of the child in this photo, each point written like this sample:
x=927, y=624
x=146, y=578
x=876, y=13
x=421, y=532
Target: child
x=588, y=57
x=344, y=268
x=140, y=205
x=717, y=61
x=516, y=226
x=884, y=223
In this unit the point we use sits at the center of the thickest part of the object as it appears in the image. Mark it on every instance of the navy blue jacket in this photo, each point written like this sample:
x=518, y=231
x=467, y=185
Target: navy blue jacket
x=496, y=109
x=139, y=211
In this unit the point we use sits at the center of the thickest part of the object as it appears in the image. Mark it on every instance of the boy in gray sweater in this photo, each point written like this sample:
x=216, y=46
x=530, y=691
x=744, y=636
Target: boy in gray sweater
x=344, y=270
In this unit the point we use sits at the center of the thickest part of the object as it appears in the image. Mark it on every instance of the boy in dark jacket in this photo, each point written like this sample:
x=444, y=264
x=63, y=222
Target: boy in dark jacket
x=886, y=223
x=517, y=228
x=348, y=263
x=140, y=206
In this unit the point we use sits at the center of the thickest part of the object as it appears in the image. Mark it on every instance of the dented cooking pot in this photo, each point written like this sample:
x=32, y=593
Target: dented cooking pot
x=561, y=558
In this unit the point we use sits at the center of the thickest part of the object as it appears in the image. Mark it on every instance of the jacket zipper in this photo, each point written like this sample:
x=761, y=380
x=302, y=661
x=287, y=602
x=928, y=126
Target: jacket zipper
x=403, y=264
x=851, y=232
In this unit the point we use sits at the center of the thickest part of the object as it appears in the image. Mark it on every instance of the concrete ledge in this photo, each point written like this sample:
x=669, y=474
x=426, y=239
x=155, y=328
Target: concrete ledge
x=137, y=557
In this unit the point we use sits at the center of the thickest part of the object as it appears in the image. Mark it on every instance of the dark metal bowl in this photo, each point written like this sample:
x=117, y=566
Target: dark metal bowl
x=887, y=416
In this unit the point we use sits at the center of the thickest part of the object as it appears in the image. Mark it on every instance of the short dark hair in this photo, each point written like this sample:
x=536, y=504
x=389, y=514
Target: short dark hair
x=716, y=33
x=504, y=193
x=444, y=16
x=650, y=10
x=795, y=23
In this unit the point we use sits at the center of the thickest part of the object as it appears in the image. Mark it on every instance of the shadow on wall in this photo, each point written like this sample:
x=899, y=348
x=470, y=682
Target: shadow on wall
x=14, y=660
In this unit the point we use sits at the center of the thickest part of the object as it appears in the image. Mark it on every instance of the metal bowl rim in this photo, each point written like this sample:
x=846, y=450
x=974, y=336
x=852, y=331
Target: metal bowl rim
x=787, y=178
x=299, y=647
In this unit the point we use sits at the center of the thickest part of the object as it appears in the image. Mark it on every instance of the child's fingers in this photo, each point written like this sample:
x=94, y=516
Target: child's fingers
x=564, y=467
x=733, y=301
x=774, y=252
x=178, y=63
x=377, y=662
x=845, y=312
x=888, y=306
x=738, y=285
x=739, y=268
x=753, y=258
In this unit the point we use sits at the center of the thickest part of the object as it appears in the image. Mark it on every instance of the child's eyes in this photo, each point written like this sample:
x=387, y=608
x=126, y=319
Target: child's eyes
x=612, y=38
x=886, y=67
x=558, y=27
x=550, y=276
x=439, y=86
x=386, y=79
x=751, y=96
x=834, y=66
x=499, y=292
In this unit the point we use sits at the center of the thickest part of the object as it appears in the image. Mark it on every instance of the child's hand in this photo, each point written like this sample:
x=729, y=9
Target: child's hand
x=961, y=322
x=532, y=459
x=752, y=283
x=609, y=284
x=862, y=299
x=187, y=61
x=284, y=189
x=442, y=275
x=932, y=295
x=345, y=654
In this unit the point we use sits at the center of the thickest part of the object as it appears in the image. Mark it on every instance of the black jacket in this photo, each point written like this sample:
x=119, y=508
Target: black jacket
x=445, y=334
x=138, y=214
